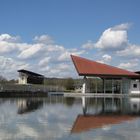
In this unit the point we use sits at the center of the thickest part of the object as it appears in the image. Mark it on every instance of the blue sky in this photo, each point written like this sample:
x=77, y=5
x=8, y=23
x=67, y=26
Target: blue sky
x=39, y=35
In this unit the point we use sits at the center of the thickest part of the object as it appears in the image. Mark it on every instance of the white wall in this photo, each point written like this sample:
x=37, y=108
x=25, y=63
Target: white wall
x=22, y=78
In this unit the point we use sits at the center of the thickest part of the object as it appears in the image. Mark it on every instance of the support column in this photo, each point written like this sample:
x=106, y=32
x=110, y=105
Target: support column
x=84, y=85
x=121, y=86
x=104, y=86
x=96, y=86
x=25, y=79
x=112, y=86
x=84, y=105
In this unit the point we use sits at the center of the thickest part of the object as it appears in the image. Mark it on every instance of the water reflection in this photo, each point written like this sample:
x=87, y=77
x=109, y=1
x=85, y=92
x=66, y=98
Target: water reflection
x=28, y=105
x=58, y=117
x=100, y=106
x=102, y=112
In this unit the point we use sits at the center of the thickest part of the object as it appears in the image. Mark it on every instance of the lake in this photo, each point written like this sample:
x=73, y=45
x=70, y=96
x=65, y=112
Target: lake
x=63, y=118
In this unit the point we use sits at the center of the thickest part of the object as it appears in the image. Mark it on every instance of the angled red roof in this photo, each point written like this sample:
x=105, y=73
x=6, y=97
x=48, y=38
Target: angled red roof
x=85, y=123
x=87, y=67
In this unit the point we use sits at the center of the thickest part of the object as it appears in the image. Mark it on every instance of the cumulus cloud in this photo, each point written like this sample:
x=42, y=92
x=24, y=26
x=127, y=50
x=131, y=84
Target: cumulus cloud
x=130, y=51
x=30, y=52
x=105, y=59
x=66, y=55
x=124, y=26
x=46, y=39
x=129, y=65
x=114, y=38
x=42, y=56
x=45, y=56
x=45, y=61
x=9, y=38
x=88, y=45
x=58, y=62
x=9, y=66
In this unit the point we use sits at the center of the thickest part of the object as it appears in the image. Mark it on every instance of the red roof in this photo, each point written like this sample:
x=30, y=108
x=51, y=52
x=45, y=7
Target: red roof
x=87, y=67
x=85, y=123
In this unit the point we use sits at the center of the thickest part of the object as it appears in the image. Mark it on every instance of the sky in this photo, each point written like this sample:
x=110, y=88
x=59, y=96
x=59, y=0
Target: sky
x=40, y=35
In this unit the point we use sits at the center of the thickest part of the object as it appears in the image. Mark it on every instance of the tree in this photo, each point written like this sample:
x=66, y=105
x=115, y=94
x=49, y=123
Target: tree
x=69, y=85
x=2, y=79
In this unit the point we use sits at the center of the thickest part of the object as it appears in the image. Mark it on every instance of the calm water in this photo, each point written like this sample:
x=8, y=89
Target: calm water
x=59, y=118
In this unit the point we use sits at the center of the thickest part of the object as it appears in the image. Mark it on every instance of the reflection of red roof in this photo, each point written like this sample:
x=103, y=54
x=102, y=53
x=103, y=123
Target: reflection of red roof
x=92, y=68
x=85, y=123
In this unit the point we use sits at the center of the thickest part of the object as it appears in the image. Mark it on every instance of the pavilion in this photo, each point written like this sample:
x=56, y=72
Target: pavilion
x=29, y=77
x=121, y=81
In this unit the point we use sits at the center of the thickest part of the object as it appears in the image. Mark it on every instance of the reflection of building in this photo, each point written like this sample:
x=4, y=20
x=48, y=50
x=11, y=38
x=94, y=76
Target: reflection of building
x=114, y=80
x=106, y=112
x=28, y=105
x=135, y=105
x=85, y=123
x=28, y=77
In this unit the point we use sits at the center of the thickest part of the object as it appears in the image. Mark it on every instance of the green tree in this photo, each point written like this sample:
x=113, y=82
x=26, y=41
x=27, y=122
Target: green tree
x=69, y=85
x=2, y=79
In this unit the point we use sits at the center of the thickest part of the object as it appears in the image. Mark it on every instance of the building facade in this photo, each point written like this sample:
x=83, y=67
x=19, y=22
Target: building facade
x=114, y=80
x=28, y=77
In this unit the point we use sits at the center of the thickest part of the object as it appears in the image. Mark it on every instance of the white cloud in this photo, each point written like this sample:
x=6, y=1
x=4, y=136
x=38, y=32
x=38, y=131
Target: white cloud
x=128, y=65
x=131, y=51
x=58, y=62
x=114, y=38
x=6, y=47
x=105, y=59
x=45, y=61
x=65, y=56
x=9, y=38
x=54, y=48
x=9, y=66
x=51, y=59
x=45, y=39
x=30, y=52
x=88, y=45
x=124, y=26
x=43, y=55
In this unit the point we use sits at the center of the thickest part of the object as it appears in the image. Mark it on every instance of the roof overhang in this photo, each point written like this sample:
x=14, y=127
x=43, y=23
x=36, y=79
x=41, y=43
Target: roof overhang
x=87, y=67
x=30, y=73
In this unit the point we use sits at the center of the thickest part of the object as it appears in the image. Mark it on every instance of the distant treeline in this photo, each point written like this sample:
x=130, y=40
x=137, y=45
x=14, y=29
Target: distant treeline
x=67, y=83
x=71, y=84
x=3, y=80
x=75, y=84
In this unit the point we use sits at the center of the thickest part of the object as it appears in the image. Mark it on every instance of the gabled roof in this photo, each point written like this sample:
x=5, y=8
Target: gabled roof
x=87, y=67
x=29, y=72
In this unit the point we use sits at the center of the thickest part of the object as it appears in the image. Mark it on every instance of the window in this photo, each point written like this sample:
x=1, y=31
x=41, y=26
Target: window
x=135, y=106
x=134, y=85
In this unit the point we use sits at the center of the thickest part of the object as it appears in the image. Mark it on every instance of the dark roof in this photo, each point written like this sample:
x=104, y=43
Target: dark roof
x=138, y=72
x=87, y=67
x=29, y=72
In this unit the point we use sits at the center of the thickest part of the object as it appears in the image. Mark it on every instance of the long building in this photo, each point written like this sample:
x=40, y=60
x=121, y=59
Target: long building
x=29, y=77
x=120, y=81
